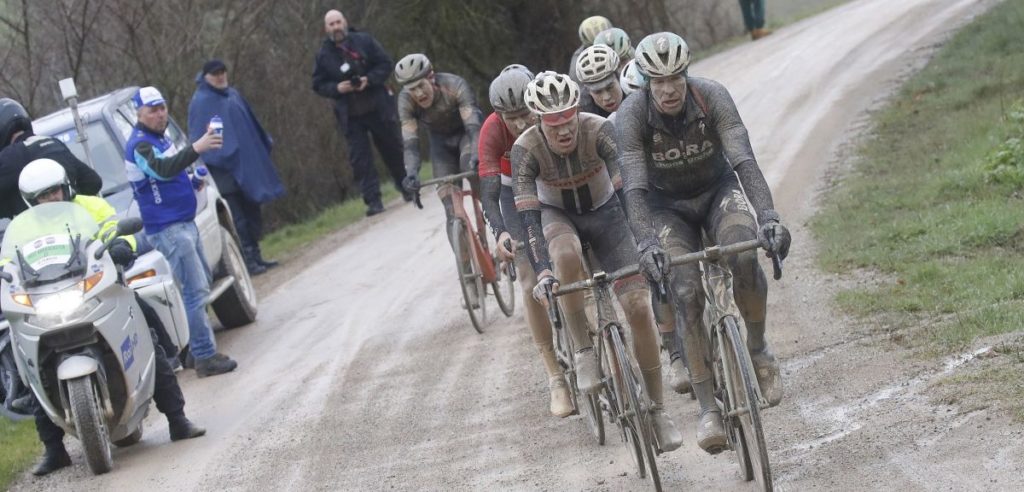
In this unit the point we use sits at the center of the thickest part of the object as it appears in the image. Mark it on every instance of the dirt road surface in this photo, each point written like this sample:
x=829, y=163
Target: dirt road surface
x=363, y=372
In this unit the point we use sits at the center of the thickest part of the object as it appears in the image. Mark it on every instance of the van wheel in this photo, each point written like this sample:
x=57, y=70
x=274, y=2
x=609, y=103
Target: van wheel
x=237, y=305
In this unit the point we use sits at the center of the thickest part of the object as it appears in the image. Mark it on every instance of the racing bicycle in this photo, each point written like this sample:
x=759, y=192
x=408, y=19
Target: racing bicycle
x=477, y=262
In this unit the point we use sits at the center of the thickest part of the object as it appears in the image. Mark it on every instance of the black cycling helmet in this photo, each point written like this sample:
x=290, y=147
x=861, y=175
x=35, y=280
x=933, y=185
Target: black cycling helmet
x=13, y=118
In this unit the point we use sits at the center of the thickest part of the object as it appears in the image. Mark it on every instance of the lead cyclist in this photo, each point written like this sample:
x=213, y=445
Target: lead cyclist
x=685, y=155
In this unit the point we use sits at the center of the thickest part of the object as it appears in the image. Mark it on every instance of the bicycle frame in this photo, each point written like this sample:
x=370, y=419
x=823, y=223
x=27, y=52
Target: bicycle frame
x=479, y=248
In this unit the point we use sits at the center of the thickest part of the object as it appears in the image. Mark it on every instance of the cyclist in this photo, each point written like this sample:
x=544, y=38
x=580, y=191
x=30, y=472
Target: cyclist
x=597, y=69
x=566, y=178
x=631, y=80
x=588, y=30
x=43, y=181
x=445, y=104
x=685, y=155
x=618, y=40
x=510, y=119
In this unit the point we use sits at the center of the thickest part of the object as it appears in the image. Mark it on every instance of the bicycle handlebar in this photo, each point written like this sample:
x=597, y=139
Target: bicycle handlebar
x=711, y=253
x=451, y=178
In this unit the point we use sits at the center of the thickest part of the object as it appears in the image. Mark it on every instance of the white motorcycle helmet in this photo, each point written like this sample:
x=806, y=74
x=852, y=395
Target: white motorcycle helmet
x=41, y=177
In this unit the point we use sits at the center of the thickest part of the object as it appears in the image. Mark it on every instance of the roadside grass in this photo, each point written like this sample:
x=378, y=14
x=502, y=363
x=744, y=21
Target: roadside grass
x=923, y=208
x=19, y=446
x=287, y=240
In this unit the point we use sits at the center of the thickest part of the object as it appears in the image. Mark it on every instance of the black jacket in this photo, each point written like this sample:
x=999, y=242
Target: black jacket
x=28, y=148
x=375, y=64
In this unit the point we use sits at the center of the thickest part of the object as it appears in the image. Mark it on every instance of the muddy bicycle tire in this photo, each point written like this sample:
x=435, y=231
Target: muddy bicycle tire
x=472, y=278
x=636, y=426
x=745, y=389
x=586, y=405
x=504, y=289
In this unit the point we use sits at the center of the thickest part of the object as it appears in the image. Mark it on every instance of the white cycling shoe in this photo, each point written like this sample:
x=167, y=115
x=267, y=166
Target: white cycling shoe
x=588, y=376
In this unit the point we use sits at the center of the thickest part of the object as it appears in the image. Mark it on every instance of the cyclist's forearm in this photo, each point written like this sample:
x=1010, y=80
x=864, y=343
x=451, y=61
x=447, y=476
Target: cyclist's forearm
x=490, y=191
x=639, y=215
x=411, y=153
x=755, y=186
x=537, y=246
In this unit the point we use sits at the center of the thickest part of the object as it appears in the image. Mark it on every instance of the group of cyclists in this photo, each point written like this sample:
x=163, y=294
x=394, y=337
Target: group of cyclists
x=628, y=157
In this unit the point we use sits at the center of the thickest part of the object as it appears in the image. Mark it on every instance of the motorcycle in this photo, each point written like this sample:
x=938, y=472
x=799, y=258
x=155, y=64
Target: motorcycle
x=79, y=339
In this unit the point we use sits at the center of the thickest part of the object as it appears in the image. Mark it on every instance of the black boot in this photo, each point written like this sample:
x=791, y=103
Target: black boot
x=252, y=263
x=182, y=428
x=268, y=264
x=54, y=458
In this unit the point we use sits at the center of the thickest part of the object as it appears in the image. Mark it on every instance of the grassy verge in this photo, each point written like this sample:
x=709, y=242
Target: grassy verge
x=935, y=204
x=19, y=446
x=287, y=240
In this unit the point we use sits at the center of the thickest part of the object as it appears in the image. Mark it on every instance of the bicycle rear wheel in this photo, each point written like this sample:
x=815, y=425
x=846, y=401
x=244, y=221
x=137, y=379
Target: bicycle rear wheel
x=504, y=289
x=634, y=416
x=747, y=405
x=471, y=278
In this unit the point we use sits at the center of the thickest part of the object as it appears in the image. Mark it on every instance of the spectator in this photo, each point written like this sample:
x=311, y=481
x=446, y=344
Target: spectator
x=19, y=146
x=167, y=203
x=753, y=18
x=352, y=68
x=242, y=168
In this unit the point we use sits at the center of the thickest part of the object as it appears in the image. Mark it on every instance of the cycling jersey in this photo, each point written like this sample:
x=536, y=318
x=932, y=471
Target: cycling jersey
x=689, y=154
x=452, y=113
x=579, y=182
x=495, y=147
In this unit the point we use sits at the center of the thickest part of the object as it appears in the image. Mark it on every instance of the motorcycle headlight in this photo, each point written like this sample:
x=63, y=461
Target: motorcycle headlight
x=59, y=307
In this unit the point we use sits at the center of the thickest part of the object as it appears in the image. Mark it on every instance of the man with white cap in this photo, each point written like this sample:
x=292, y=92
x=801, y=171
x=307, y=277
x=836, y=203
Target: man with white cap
x=157, y=168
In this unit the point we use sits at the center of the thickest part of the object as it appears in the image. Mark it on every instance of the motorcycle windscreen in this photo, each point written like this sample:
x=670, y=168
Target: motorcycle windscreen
x=44, y=233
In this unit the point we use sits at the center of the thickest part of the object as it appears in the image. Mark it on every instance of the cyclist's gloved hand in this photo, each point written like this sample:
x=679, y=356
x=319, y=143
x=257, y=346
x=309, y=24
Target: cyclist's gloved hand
x=544, y=279
x=506, y=253
x=411, y=183
x=121, y=252
x=649, y=265
x=774, y=237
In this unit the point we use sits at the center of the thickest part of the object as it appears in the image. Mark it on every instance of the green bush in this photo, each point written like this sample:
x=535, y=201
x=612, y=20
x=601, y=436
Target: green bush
x=1005, y=164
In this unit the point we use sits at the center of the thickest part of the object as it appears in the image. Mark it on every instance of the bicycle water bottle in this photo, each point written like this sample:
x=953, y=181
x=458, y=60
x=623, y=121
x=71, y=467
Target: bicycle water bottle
x=199, y=177
x=217, y=125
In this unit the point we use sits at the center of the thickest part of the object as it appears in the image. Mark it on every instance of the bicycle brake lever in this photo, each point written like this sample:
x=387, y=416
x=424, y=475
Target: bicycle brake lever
x=776, y=261
x=556, y=318
x=510, y=265
x=416, y=199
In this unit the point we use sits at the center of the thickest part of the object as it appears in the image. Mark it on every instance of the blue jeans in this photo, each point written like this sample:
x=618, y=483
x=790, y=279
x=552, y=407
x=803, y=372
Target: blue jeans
x=181, y=245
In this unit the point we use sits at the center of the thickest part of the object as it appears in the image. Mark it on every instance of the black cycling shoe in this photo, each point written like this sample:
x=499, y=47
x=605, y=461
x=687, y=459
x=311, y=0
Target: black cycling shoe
x=54, y=458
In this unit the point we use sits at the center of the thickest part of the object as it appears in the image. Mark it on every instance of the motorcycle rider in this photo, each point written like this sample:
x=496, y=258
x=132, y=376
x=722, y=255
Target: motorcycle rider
x=510, y=119
x=685, y=155
x=566, y=181
x=43, y=181
x=19, y=146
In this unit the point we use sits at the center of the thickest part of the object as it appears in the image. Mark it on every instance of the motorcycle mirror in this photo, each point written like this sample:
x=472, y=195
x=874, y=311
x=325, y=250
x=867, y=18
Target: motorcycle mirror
x=129, y=226
x=6, y=277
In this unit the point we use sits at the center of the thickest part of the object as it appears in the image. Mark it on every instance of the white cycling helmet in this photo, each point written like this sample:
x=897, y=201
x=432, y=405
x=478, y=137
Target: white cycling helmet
x=662, y=54
x=516, y=66
x=631, y=79
x=552, y=92
x=596, y=63
x=591, y=26
x=40, y=177
x=618, y=40
x=508, y=89
x=412, y=68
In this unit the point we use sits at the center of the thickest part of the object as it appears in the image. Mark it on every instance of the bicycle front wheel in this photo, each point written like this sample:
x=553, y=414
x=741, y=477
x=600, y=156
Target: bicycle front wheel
x=471, y=278
x=746, y=404
x=504, y=290
x=633, y=397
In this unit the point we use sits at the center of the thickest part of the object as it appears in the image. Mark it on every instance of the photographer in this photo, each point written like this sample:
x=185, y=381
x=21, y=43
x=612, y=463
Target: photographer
x=351, y=68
